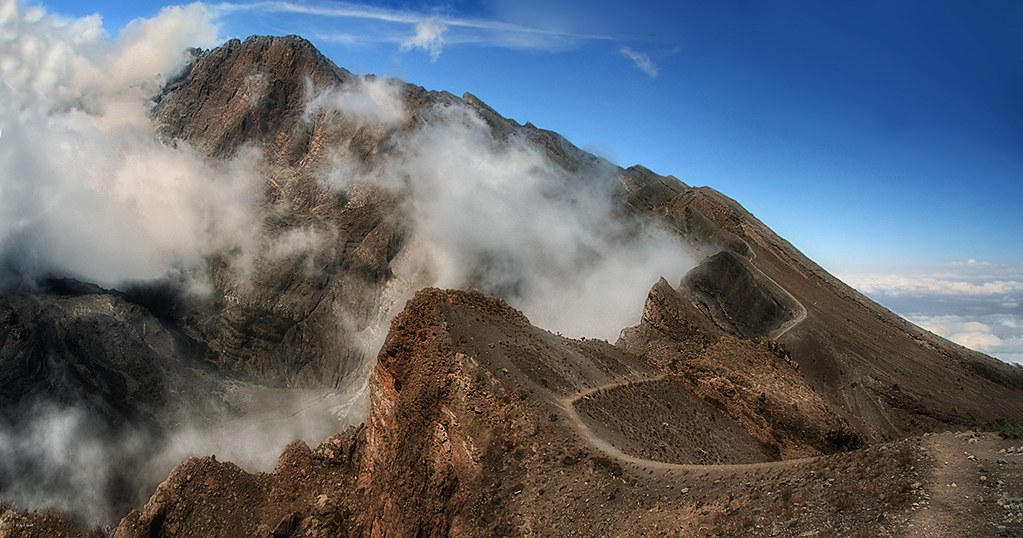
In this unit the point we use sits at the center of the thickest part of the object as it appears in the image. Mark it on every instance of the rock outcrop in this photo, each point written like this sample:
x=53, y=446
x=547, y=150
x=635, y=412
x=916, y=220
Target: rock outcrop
x=484, y=425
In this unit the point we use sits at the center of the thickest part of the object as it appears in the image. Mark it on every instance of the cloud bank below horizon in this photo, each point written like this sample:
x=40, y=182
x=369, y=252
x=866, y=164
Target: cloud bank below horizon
x=975, y=304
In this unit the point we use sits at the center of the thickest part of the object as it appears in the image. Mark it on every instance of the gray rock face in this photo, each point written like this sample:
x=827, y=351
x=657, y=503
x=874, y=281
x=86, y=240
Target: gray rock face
x=739, y=297
x=280, y=323
x=94, y=350
x=244, y=92
x=79, y=374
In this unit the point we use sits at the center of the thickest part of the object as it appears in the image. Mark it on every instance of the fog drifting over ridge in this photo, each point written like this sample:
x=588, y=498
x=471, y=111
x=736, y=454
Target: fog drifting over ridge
x=495, y=213
x=106, y=200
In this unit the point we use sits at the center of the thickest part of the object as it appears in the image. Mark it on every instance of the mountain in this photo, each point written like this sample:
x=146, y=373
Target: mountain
x=757, y=395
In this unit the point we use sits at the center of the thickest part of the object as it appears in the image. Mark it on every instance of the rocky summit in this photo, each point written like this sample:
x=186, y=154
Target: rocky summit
x=757, y=395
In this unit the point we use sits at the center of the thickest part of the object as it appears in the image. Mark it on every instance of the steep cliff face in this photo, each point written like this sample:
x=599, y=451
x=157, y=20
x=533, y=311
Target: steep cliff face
x=240, y=93
x=292, y=316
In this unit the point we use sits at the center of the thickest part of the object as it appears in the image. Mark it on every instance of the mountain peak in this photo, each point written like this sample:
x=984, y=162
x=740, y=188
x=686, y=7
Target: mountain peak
x=243, y=90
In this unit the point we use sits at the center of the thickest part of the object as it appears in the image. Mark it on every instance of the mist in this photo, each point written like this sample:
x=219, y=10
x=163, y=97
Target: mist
x=493, y=211
x=89, y=190
x=67, y=457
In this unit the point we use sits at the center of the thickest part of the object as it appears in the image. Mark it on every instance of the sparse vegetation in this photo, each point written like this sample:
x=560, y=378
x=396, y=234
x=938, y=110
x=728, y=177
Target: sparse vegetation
x=607, y=465
x=1012, y=430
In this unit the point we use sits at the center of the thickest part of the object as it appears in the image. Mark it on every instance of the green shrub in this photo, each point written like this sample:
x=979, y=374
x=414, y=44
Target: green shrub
x=1012, y=430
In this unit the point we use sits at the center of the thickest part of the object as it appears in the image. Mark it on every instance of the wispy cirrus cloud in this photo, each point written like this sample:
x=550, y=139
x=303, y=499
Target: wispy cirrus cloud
x=430, y=31
x=642, y=61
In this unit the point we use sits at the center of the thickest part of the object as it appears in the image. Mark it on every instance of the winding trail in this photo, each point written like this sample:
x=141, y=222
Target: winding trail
x=567, y=405
x=788, y=325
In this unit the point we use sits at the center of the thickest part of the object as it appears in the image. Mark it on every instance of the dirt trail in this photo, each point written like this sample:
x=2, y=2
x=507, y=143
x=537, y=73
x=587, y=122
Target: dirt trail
x=579, y=426
x=788, y=325
x=784, y=328
x=975, y=488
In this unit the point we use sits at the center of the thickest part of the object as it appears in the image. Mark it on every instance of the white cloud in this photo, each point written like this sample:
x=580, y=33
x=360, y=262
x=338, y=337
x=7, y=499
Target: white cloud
x=642, y=61
x=930, y=285
x=973, y=303
x=977, y=340
x=431, y=31
x=972, y=262
x=367, y=100
x=429, y=36
x=498, y=215
x=87, y=189
x=999, y=335
x=965, y=278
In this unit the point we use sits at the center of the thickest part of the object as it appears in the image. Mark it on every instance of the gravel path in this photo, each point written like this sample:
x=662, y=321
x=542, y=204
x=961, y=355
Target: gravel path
x=976, y=487
x=579, y=425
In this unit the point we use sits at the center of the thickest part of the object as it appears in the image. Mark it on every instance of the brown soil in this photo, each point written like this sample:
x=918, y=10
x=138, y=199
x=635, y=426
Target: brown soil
x=755, y=382
x=661, y=421
x=464, y=440
x=882, y=375
x=974, y=487
x=44, y=524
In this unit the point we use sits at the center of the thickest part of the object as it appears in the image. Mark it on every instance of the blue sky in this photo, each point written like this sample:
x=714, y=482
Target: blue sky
x=881, y=138
x=868, y=134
